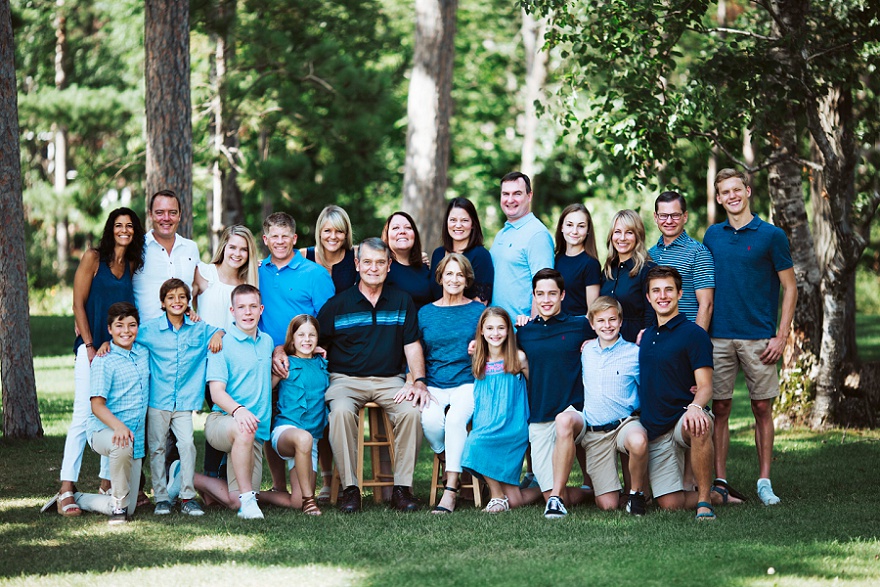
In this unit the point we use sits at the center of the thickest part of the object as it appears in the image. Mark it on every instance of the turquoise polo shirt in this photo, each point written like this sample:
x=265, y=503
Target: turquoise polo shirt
x=300, y=287
x=178, y=359
x=520, y=250
x=245, y=366
x=747, y=265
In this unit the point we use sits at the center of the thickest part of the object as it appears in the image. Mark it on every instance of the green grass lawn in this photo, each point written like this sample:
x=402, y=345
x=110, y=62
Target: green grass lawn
x=825, y=532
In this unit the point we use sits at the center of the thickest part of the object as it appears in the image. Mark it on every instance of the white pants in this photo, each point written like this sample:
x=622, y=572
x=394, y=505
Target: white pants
x=447, y=430
x=82, y=409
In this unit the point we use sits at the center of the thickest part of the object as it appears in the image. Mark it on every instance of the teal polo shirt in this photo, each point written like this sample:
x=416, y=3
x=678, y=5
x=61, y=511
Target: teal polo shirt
x=245, y=366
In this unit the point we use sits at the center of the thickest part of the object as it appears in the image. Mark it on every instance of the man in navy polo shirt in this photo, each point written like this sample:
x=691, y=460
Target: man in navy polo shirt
x=371, y=333
x=674, y=356
x=552, y=343
x=752, y=259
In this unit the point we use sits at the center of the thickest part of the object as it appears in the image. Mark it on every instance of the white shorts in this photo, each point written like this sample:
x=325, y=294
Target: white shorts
x=276, y=435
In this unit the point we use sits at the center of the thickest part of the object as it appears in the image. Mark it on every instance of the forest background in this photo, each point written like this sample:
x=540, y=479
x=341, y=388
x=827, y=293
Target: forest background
x=299, y=104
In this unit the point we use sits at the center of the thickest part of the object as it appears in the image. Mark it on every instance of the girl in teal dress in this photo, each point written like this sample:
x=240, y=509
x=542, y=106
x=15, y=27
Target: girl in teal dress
x=302, y=416
x=495, y=448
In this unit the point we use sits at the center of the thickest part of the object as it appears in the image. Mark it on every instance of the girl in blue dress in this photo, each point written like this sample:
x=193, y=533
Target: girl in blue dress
x=495, y=448
x=302, y=416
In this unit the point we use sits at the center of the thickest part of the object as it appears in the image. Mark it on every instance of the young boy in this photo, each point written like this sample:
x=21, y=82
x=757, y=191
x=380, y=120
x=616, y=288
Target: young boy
x=240, y=380
x=120, y=385
x=178, y=360
x=609, y=423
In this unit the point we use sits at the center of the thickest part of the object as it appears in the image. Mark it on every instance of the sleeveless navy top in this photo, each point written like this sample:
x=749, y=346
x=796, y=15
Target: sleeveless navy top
x=343, y=273
x=106, y=290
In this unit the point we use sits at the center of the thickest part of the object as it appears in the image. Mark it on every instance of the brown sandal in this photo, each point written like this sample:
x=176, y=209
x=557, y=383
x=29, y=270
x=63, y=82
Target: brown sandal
x=310, y=506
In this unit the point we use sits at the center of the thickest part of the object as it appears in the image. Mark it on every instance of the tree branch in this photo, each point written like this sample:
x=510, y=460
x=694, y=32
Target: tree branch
x=313, y=78
x=830, y=50
x=743, y=33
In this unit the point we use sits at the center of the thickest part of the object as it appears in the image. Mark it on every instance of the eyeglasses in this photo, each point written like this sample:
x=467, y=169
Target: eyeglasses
x=664, y=217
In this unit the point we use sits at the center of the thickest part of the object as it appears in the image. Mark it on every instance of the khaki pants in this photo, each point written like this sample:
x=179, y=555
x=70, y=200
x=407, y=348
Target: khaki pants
x=345, y=397
x=158, y=424
x=125, y=475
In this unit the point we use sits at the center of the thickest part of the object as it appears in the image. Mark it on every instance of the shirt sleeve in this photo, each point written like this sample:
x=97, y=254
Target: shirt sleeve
x=649, y=314
x=326, y=323
x=781, y=251
x=322, y=290
x=704, y=269
x=411, y=322
x=540, y=252
x=100, y=377
x=218, y=370
x=700, y=350
x=593, y=273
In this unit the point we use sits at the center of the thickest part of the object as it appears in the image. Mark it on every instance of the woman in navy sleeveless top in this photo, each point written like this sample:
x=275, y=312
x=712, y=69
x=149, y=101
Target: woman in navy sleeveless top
x=102, y=279
x=333, y=248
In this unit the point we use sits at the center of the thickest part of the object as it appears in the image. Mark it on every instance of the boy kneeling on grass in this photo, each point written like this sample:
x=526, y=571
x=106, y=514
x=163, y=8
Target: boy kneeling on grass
x=240, y=380
x=120, y=386
x=178, y=361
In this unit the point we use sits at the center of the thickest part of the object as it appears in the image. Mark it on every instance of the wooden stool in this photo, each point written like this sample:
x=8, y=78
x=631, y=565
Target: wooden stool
x=438, y=482
x=381, y=435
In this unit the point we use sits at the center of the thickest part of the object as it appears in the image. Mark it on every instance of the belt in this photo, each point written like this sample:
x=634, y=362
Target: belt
x=612, y=425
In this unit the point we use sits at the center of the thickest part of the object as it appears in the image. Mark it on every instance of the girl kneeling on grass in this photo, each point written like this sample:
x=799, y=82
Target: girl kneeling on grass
x=495, y=448
x=302, y=416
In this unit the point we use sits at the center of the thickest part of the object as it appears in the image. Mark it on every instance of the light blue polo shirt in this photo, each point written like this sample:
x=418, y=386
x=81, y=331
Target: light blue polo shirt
x=122, y=378
x=694, y=261
x=521, y=249
x=747, y=262
x=178, y=359
x=611, y=381
x=245, y=366
x=300, y=287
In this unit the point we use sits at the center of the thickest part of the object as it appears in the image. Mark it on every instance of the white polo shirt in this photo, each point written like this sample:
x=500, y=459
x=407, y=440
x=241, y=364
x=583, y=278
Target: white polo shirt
x=158, y=267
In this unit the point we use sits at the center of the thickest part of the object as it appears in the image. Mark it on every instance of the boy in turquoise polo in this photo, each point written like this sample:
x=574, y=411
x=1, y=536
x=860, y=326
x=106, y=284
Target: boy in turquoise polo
x=178, y=360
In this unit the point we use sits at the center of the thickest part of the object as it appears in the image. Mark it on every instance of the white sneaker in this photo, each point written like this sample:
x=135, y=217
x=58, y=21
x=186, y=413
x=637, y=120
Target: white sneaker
x=765, y=492
x=249, y=509
x=555, y=508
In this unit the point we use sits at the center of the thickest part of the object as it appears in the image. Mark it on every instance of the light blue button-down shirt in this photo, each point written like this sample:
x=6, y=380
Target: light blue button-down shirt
x=245, y=366
x=521, y=249
x=178, y=360
x=611, y=381
x=122, y=378
x=300, y=287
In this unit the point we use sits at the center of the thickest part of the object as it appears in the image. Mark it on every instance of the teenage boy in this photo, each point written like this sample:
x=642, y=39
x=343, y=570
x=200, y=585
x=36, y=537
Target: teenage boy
x=552, y=342
x=674, y=356
x=609, y=423
x=120, y=387
x=240, y=380
x=752, y=260
x=178, y=357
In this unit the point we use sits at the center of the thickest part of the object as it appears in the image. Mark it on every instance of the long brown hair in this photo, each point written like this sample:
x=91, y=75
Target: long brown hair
x=589, y=240
x=509, y=352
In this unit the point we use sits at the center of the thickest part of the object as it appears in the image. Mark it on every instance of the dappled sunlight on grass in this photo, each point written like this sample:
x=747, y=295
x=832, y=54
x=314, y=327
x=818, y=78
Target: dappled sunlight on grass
x=240, y=575
x=227, y=543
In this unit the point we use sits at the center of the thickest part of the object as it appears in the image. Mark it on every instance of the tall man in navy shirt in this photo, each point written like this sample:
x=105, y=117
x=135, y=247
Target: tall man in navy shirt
x=752, y=259
x=552, y=343
x=674, y=356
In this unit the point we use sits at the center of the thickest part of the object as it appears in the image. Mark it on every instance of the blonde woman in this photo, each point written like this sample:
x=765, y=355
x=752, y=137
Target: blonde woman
x=334, y=250
x=623, y=277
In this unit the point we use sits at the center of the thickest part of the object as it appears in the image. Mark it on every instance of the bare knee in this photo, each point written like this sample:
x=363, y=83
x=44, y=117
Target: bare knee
x=721, y=408
x=762, y=409
x=564, y=426
x=671, y=501
x=637, y=443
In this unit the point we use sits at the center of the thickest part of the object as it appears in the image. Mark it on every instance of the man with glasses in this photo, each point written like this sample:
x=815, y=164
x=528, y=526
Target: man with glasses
x=692, y=260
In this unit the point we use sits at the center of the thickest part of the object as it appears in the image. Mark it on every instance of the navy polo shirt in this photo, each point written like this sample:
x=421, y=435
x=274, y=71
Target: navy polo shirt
x=668, y=357
x=747, y=265
x=363, y=340
x=553, y=348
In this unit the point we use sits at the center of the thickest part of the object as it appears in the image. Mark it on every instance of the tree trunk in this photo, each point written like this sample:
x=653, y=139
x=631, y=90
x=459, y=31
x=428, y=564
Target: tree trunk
x=168, y=107
x=536, y=75
x=225, y=207
x=429, y=108
x=21, y=414
x=711, y=172
x=62, y=242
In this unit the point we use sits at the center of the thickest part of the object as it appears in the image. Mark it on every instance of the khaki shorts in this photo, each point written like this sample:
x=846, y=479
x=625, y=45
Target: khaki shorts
x=218, y=429
x=728, y=354
x=602, y=449
x=666, y=455
x=542, y=437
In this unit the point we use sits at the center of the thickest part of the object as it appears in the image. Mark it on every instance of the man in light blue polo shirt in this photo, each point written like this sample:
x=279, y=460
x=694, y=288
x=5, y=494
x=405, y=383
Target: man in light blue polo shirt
x=752, y=260
x=693, y=261
x=290, y=283
x=240, y=379
x=521, y=249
